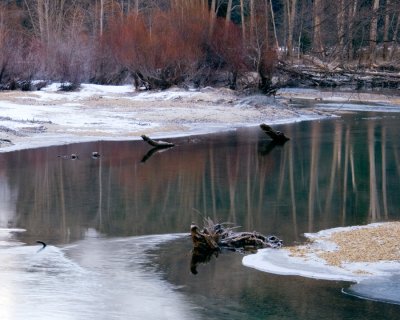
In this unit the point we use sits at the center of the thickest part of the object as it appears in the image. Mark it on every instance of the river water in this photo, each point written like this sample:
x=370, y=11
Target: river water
x=117, y=227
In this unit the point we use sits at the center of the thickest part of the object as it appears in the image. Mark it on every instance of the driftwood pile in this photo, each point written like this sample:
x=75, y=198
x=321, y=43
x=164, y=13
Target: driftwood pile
x=314, y=72
x=214, y=238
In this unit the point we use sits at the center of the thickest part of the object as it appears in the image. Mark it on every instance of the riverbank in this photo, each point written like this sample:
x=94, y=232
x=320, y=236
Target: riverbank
x=50, y=117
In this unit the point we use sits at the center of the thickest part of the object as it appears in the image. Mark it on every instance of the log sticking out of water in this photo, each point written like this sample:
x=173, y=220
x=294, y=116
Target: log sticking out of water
x=276, y=136
x=214, y=237
x=157, y=144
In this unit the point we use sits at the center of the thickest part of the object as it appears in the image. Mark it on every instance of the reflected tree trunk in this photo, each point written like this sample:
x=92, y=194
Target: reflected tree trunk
x=62, y=201
x=335, y=165
x=249, y=213
x=292, y=190
x=313, y=182
x=345, y=174
x=373, y=188
x=232, y=171
x=384, y=179
x=100, y=200
x=212, y=184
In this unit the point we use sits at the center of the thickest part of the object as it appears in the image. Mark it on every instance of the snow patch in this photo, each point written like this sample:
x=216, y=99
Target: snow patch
x=372, y=278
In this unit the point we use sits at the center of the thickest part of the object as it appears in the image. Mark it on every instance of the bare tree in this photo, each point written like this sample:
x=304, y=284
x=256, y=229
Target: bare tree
x=317, y=33
x=373, y=32
x=290, y=6
x=341, y=26
x=386, y=30
x=350, y=30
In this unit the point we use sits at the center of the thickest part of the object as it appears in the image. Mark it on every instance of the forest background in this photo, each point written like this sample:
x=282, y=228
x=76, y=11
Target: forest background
x=161, y=43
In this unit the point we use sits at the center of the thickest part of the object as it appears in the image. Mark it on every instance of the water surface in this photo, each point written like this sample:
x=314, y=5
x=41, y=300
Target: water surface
x=117, y=226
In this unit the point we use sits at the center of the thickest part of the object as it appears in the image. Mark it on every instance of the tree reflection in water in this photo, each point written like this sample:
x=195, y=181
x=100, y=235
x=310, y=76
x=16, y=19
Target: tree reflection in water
x=331, y=173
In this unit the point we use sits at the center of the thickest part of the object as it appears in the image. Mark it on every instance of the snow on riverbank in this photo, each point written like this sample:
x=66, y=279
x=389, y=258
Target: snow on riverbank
x=97, y=112
x=50, y=117
x=368, y=255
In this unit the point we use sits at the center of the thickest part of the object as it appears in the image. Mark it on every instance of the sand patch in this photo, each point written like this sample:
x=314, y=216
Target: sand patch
x=374, y=243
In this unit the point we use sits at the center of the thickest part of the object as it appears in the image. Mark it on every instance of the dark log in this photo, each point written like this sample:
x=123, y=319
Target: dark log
x=214, y=237
x=277, y=136
x=157, y=144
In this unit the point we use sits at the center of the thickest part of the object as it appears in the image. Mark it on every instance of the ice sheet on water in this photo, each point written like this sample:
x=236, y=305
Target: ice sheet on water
x=373, y=280
x=96, y=278
x=385, y=289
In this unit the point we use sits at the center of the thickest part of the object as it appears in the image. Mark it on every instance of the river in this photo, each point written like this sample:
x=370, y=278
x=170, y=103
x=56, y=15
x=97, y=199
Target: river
x=117, y=226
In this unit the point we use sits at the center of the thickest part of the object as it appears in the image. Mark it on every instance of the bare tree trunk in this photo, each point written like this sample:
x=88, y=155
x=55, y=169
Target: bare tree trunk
x=291, y=14
x=252, y=21
x=266, y=8
x=60, y=11
x=41, y=20
x=352, y=15
x=317, y=39
x=228, y=18
x=394, y=38
x=136, y=7
x=242, y=21
x=101, y=16
x=228, y=13
x=373, y=32
x=273, y=24
x=341, y=26
x=386, y=30
x=213, y=16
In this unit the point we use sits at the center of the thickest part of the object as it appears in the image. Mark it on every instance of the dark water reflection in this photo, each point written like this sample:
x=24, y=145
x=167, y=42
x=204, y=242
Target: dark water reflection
x=335, y=172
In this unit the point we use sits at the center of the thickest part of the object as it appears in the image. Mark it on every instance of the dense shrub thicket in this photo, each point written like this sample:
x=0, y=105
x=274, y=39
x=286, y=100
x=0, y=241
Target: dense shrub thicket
x=160, y=43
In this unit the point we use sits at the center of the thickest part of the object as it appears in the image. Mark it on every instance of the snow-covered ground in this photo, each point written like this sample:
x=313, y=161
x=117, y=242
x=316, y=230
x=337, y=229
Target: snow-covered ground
x=367, y=255
x=50, y=117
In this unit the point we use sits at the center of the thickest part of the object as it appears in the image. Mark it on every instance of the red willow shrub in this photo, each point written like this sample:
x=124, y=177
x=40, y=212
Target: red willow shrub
x=159, y=50
x=227, y=52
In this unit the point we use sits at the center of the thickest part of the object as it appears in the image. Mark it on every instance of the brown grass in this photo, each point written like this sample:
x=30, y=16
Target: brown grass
x=369, y=244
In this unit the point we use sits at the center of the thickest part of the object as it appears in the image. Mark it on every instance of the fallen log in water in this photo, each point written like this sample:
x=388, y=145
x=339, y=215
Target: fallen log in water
x=157, y=144
x=213, y=238
x=276, y=136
